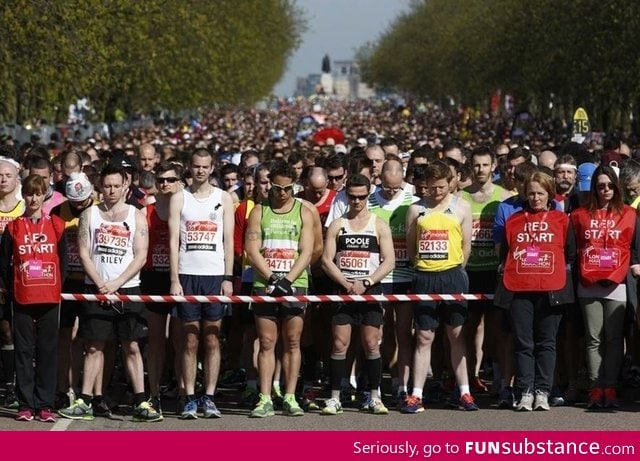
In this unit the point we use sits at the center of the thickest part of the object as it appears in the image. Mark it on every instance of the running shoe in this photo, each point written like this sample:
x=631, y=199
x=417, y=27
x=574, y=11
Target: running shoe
x=144, y=413
x=595, y=398
x=291, y=407
x=101, y=408
x=332, y=407
x=46, y=415
x=263, y=409
x=190, y=410
x=347, y=396
x=366, y=403
x=78, y=410
x=541, y=400
x=467, y=404
x=610, y=398
x=24, y=415
x=377, y=407
x=209, y=409
x=156, y=404
x=309, y=400
x=411, y=404
x=400, y=400
x=525, y=403
x=10, y=397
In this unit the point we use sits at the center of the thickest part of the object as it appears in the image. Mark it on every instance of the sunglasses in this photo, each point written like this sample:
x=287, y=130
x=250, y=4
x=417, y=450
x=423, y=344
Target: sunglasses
x=604, y=186
x=287, y=188
x=357, y=197
x=168, y=180
x=335, y=178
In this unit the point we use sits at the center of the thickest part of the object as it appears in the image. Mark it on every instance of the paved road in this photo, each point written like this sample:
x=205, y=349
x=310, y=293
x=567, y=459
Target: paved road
x=435, y=418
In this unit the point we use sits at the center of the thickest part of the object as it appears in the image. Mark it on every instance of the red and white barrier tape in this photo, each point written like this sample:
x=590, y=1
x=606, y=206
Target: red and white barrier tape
x=271, y=299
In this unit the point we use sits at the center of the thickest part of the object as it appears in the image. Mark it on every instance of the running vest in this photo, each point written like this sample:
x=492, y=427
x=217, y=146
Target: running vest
x=74, y=267
x=394, y=213
x=483, y=256
x=8, y=216
x=158, y=254
x=635, y=203
x=36, y=263
x=536, y=242
x=112, y=246
x=357, y=251
x=201, y=232
x=439, y=239
x=604, y=242
x=280, y=242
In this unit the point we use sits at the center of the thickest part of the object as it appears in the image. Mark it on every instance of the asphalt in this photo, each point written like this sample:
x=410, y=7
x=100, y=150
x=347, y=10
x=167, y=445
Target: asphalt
x=436, y=417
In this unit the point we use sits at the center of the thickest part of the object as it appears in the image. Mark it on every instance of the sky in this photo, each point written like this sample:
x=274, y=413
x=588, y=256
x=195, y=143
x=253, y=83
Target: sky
x=337, y=28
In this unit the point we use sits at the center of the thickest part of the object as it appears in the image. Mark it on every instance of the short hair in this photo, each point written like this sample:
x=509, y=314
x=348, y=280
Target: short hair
x=546, y=181
x=201, y=152
x=437, y=170
x=166, y=166
x=295, y=157
x=358, y=180
x=454, y=163
x=359, y=162
x=518, y=152
x=630, y=172
x=110, y=169
x=282, y=168
x=34, y=184
x=35, y=161
x=481, y=151
x=333, y=162
x=523, y=172
x=228, y=168
x=420, y=173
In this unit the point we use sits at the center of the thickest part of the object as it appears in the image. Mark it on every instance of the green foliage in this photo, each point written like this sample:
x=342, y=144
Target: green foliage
x=141, y=55
x=582, y=51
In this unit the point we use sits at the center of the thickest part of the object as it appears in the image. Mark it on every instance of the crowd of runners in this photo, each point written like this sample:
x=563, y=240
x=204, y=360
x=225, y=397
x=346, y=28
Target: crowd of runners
x=388, y=200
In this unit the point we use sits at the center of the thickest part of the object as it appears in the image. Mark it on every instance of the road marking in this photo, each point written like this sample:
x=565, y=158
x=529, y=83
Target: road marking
x=62, y=424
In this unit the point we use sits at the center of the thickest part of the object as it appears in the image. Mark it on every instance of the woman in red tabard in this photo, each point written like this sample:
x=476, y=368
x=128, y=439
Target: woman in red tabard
x=538, y=247
x=32, y=267
x=608, y=247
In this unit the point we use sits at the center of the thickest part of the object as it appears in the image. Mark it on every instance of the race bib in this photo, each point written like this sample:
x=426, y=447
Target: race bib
x=353, y=263
x=400, y=250
x=201, y=235
x=279, y=260
x=112, y=239
x=434, y=245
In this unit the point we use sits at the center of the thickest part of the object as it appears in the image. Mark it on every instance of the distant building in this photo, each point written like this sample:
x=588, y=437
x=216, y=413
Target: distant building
x=346, y=82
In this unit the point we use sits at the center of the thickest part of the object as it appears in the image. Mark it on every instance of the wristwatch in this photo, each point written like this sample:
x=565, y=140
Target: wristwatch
x=366, y=283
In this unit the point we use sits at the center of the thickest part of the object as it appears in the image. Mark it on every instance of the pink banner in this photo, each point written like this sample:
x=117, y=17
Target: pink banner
x=332, y=446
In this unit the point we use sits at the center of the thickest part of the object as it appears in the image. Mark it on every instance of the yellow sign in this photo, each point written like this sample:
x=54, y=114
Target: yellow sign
x=581, y=126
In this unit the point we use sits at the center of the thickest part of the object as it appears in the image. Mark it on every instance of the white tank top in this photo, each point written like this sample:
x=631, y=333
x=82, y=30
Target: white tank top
x=201, y=229
x=112, y=246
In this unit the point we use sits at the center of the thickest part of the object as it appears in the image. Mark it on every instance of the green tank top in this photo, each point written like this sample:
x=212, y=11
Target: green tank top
x=483, y=255
x=280, y=242
x=397, y=220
